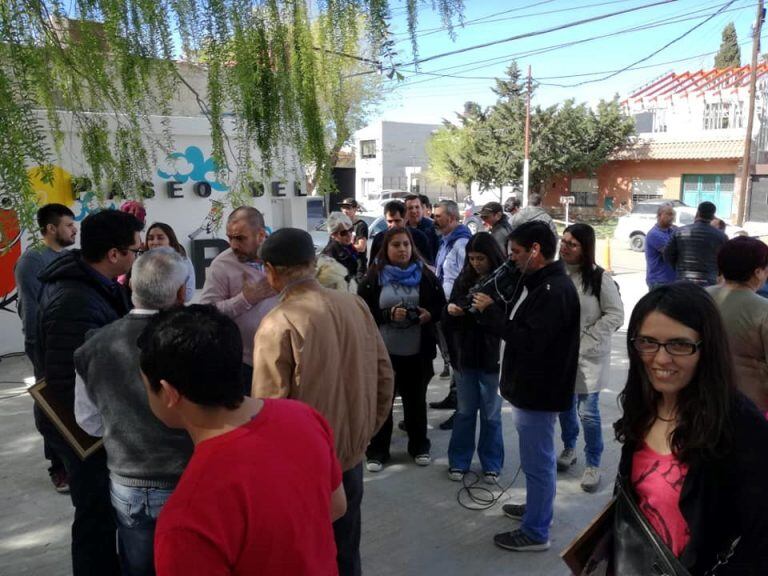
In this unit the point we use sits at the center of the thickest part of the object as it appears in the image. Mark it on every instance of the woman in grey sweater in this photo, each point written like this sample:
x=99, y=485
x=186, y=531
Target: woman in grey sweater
x=602, y=313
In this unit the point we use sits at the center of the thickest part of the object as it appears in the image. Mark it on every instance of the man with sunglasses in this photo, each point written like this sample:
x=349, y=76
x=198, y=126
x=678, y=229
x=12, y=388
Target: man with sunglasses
x=80, y=293
x=492, y=215
x=340, y=245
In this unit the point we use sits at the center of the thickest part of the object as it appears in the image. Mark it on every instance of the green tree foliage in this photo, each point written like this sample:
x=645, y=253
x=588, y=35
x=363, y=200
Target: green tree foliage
x=567, y=138
x=110, y=64
x=729, y=53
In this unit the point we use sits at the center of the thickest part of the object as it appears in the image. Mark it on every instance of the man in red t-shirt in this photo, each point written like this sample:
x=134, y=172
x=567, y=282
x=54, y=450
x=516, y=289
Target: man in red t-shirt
x=263, y=486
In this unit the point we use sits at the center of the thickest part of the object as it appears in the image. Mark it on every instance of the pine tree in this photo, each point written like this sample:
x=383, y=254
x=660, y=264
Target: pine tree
x=729, y=53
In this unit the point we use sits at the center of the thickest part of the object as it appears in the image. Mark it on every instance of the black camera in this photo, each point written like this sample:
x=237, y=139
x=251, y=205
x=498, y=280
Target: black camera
x=412, y=315
x=502, y=285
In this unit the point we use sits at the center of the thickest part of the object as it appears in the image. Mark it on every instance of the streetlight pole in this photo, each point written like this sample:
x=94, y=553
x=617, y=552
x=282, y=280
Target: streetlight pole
x=526, y=160
x=747, y=160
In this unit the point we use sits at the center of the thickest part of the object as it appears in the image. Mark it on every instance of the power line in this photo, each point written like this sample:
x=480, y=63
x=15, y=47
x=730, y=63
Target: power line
x=536, y=33
x=652, y=54
x=496, y=60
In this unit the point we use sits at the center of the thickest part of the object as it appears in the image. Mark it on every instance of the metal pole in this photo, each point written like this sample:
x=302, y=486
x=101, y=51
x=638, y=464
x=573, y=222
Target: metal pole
x=747, y=160
x=526, y=161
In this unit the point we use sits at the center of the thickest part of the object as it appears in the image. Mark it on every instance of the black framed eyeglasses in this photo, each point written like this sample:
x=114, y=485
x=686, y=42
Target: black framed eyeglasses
x=645, y=345
x=346, y=232
x=136, y=251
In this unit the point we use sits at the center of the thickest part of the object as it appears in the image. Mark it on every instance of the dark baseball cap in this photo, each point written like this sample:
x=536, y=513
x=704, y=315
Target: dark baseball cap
x=288, y=247
x=349, y=203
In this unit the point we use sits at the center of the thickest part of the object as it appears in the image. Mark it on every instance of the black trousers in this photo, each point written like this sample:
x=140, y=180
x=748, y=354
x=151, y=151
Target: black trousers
x=412, y=375
x=347, y=528
x=41, y=422
x=246, y=377
x=94, y=550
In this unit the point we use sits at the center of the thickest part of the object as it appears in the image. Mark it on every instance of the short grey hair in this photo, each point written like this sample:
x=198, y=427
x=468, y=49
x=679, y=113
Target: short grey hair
x=338, y=221
x=156, y=277
x=450, y=207
x=250, y=214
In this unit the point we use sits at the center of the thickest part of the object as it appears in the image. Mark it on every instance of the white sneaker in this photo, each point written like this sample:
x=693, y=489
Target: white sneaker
x=591, y=479
x=566, y=459
x=423, y=460
x=373, y=466
x=455, y=475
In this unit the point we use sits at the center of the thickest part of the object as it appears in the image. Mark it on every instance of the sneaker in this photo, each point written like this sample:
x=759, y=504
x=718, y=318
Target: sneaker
x=60, y=481
x=491, y=477
x=518, y=541
x=566, y=459
x=423, y=460
x=447, y=403
x=455, y=475
x=591, y=479
x=446, y=373
x=401, y=425
x=374, y=465
x=514, y=511
x=447, y=424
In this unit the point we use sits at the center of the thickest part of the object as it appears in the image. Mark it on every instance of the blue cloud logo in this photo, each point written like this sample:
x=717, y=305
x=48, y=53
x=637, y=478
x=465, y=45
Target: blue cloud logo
x=196, y=169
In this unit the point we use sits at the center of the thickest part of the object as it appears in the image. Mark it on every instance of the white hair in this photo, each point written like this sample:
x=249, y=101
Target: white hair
x=338, y=221
x=156, y=277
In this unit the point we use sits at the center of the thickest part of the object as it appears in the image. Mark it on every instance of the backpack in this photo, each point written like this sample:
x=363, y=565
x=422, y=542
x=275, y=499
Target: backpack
x=599, y=271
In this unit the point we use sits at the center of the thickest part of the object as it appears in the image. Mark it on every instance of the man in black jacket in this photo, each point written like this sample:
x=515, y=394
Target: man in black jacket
x=692, y=250
x=492, y=215
x=541, y=349
x=80, y=293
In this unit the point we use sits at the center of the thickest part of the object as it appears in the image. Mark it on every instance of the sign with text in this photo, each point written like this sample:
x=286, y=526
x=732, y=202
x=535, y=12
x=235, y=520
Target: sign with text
x=567, y=199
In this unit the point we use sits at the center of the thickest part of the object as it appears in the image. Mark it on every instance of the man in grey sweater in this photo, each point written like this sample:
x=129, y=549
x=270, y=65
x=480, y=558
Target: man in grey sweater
x=57, y=230
x=144, y=457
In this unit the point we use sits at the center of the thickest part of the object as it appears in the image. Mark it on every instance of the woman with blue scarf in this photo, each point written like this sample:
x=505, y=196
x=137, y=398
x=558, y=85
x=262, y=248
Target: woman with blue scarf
x=406, y=300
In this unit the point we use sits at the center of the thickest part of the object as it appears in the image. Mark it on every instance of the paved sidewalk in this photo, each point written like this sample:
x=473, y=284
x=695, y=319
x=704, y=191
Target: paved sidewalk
x=412, y=523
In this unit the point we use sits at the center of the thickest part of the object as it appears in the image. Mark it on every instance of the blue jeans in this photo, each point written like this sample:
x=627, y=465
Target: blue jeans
x=587, y=409
x=136, y=511
x=477, y=391
x=536, y=435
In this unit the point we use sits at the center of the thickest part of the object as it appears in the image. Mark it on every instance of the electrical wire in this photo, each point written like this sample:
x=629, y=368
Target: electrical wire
x=649, y=56
x=536, y=32
x=480, y=498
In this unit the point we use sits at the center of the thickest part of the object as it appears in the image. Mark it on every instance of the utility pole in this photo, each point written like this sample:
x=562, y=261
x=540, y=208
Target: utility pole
x=747, y=160
x=526, y=161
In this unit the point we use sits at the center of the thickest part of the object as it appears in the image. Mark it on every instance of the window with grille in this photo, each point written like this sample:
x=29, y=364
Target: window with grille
x=367, y=148
x=584, y=191
x=723, y=115
x=646, y=189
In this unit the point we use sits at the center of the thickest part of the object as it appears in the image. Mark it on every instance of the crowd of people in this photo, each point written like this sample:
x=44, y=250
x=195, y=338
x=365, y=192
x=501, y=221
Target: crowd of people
x=237, y=429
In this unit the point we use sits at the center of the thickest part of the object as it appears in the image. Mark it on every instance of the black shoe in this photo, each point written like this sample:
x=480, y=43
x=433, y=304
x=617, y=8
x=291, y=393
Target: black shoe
x=448, y=424
x=447, y=403
x=401, y=425
x=518, y=541
x=514, y=511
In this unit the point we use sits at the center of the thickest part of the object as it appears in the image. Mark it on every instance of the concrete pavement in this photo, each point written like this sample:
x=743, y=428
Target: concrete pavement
x=412, y=523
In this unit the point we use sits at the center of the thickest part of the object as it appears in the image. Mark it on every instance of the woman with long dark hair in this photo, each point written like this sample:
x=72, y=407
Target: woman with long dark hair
x=161, y=234
x=743, y=264
x=475, y=357
x=602, y=313
x=695, y=450
x=406, y=300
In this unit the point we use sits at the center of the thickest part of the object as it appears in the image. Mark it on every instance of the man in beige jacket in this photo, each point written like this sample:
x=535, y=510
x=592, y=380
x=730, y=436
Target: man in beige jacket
x=323, y=347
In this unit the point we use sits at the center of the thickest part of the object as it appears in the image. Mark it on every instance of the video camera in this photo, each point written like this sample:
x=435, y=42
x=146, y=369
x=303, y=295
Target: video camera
x=502, y=285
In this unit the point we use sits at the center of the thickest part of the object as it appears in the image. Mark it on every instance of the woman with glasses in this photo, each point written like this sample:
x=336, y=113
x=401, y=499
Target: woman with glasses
x=406, y=300
x=476, y=350
x=695, y=450
x=743, y=263
x=160, y=234
x=340, y=246
x=602, y=313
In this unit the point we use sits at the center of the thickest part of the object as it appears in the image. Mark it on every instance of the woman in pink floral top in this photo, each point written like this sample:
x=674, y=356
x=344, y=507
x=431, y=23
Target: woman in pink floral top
x=695, y=450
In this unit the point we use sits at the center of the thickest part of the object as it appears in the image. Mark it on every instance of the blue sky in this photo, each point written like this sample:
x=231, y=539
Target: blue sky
x=424, y=98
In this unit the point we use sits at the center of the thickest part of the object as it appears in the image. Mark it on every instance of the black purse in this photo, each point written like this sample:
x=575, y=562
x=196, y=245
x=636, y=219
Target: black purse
x=637, y=548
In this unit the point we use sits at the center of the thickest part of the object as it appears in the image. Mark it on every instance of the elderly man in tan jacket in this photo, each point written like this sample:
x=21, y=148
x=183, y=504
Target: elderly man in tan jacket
x=323, y=347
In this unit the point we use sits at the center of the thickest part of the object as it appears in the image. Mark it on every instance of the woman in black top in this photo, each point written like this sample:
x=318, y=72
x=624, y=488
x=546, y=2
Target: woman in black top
x=475, y=358
x=406, y=300
x=695, y=454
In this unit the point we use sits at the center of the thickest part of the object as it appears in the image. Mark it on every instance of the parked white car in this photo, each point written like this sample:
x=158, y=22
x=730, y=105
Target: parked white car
x=634, y=226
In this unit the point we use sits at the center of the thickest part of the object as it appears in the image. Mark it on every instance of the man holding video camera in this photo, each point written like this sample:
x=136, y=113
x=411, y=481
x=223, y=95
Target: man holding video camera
x=541, y=349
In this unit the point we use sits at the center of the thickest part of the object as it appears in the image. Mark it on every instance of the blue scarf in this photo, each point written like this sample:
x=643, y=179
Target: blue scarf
x=410, y=276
